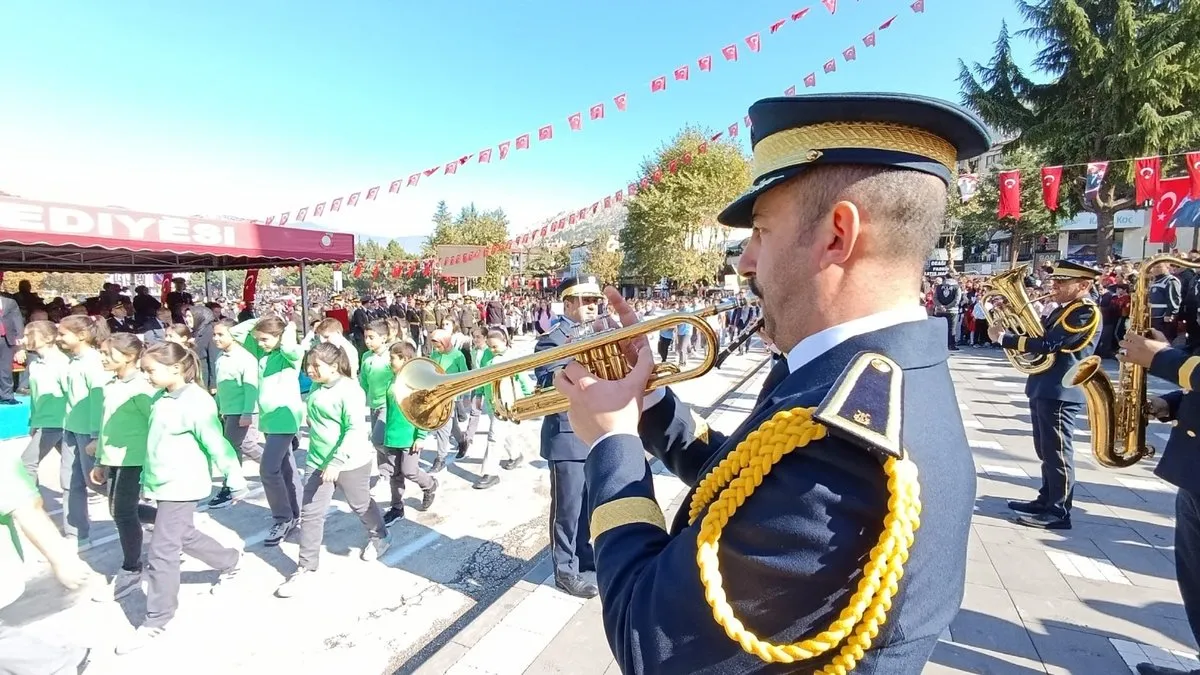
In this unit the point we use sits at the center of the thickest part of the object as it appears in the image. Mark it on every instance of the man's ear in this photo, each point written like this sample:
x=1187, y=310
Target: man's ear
x=842, y=226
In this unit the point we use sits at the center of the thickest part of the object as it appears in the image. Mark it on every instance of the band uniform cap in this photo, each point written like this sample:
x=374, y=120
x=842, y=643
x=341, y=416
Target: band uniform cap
x=1067, y=270
x=915, y=133
x=579, y=287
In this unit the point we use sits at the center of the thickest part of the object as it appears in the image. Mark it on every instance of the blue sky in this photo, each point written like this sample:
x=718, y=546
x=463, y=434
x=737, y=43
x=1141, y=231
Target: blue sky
x=255, y=108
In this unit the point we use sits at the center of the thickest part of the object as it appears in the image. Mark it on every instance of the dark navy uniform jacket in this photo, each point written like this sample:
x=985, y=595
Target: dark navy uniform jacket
x=792, y=554
x=558, y=441
x=1180, y=461
x=1071, y=332
x=1165, y=296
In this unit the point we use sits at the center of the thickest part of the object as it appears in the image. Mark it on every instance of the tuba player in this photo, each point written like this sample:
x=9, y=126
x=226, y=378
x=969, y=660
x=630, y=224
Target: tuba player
x=795, y=550
x=1070, y=333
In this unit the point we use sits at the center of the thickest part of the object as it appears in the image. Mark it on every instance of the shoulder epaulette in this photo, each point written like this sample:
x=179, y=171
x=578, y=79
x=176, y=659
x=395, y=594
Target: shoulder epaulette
x=864, y=405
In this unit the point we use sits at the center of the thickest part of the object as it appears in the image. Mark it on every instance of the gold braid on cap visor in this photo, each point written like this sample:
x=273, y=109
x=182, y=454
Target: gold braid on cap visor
x=805, y=144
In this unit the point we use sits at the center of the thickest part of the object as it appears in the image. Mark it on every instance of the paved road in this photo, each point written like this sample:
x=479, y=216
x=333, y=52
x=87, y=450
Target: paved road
x=447, y=568
x=1090, y=601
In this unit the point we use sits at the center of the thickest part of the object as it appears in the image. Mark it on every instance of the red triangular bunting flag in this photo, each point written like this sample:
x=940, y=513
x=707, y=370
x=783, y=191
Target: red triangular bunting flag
x=673, y=166
x=485, y=156
x=790, y=91
x=705, y=63
x=302, y=214
x=546, y=133
x=575, y=121
x=702, y=148
x=336, y=205
x=681, y=73
x=918, y=6
x=414, y=179
x=504, y=149
x=270, y=219
x=830, y=5
x=353, y=201
x=754, y=42
x=451, y=167
x=658, y=84
x=395, y=186
x=729, y=52
x=796, y=16
x=747, y=122
x=849, y=54
x=597, y=112
x=619, y=99
x=830, y=66
x=608, y=202
x=319, y=210
x=869, y=39
x=431, y=171
x=373, y=192
x=777, y=25
x=618, y=195
x=523, y=142
x=886, y=24
x=810, y=80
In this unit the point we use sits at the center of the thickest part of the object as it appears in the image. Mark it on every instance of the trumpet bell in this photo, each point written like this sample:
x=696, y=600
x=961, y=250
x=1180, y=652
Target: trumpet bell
x=414, y=386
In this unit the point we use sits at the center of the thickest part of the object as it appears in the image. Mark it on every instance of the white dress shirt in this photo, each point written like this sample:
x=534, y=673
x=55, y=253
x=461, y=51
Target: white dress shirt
x=817, y=344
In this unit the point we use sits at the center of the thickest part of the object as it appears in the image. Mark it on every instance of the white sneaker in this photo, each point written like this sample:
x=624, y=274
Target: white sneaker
x=375, y=549
x=122, y=584
x=143, y=636
x=295, y=584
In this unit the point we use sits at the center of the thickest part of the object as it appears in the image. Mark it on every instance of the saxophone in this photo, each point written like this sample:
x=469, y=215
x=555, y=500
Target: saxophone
x=1117, y=415
x=1017, y=317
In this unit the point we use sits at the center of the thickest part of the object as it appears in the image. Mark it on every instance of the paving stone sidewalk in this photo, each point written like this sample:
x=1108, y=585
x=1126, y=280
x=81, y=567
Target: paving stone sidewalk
x=1093, y=600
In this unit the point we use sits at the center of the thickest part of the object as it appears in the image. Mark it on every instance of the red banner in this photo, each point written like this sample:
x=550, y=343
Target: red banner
x=1051, y=179
x=1010, y=194
x=1146, y=173
x=1193, y=167
x=250, y=287
x=1173, y=192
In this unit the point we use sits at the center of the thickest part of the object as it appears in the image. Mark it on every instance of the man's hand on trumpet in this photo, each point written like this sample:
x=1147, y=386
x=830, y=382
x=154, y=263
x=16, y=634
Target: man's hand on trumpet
x=599, y=406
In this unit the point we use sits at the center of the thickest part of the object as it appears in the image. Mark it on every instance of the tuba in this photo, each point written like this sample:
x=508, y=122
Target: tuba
x=426, y=394
x=1117, y=415
x=1016, y=316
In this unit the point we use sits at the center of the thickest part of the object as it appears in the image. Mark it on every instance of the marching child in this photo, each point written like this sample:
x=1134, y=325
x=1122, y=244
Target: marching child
x=400, y=457
x=237, y=397
x=183, y=443
x=499, y=452
x=280, y=413
x=46, y=367
x=78, y=337
x=120, y=454
x=470, y=407
x=339, y=455
x=375, y=376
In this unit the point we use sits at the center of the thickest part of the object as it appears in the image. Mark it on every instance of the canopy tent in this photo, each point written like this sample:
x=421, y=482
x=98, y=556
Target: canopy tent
x=50, y=237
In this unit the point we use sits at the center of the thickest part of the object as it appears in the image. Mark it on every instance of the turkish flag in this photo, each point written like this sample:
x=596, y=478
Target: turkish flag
x=284, y=218
x=416, y=177
x=597, y=111
x=608, y=202
x=830, y=5
x=1173, y=207
x=358, y=269
x=373, y=192
x=428, y=172
x=1010, y=194
x=353, y=201
x=523, y=142
x=705, y=63
x=485, y=156
x=886, y=24
x=396, y=268
x=619, y=195
x=395, y=186
x=1193, y=169
x=619, y=99
x=754, y=42
x=658, y=84
x=335, y=205
x=633, y=188
x=250, y=287
x=777, y=25
x=1051, y=179
x=830, y=66
x=575, y=121
x=657, y=175
x=681, y=73
x=166, y=286
x=790, y=91
x=702, y=148
x=270, y=219
x=504, y=149
x=849, y=54
x=746, y=119
x=733, y=130
x=595, y=207
x=375, y=272
x=796, y=16
x=918, y=6
x=673, y=166
x=571, y=219
x=319, y=210
x=810, y=80
x=302, y=214
x=869, y=39
x=546, y=133
x=451, y=167
x=1146, y=175
x=730, y=52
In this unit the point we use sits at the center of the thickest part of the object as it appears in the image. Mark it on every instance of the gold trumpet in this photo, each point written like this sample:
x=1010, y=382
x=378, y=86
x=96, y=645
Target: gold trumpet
x=426, y=394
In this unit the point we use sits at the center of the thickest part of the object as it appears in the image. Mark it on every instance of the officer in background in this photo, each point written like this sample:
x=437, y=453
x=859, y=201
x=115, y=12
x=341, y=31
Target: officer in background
x=947, y=296
x=1165, y=298
x=1070, y=332
x=762, y=570
x=1178, y=464
x=570, y=545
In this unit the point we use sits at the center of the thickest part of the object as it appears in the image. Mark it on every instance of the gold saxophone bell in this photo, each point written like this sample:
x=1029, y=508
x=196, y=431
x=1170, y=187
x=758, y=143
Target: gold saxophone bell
x=426, y=394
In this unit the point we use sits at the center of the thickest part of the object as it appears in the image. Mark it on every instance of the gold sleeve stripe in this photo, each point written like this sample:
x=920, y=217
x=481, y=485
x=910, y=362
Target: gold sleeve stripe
x=626, y=511
x=1186, y=370
x=1021, y=343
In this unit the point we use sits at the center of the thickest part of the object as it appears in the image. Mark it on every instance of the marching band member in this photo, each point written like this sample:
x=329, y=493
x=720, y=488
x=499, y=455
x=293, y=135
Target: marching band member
x=570, y=545
x=832, y=467
x=1177, y=465
x=1071, y=332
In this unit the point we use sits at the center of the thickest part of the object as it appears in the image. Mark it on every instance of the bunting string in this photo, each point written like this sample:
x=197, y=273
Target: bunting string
x=575, y=121
x=432, y=267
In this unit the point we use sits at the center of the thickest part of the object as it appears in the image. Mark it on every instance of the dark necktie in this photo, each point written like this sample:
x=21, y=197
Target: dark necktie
x=778, y=373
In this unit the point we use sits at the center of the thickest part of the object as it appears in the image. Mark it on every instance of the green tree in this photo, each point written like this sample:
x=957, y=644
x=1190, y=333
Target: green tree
x=547, y=261
x=671, y=229
x=13, y=279
x=1123, y=82
x=73, y=284
x=471, y=227
x=603, y=261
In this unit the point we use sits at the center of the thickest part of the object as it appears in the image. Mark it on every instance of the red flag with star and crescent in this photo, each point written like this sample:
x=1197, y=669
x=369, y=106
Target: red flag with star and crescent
x=1051, y=179
x=1193, y=168
x=729, y=52
x=1146, y=174
x=754, y=42
x=1175, y=206
x=1010, y=194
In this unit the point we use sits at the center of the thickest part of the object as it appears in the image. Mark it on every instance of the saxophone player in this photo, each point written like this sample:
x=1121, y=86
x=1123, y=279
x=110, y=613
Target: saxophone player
x=1179, y=462
x=1070, y=332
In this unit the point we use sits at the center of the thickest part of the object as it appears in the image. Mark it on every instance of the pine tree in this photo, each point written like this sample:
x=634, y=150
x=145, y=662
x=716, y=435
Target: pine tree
x=1124, y=83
